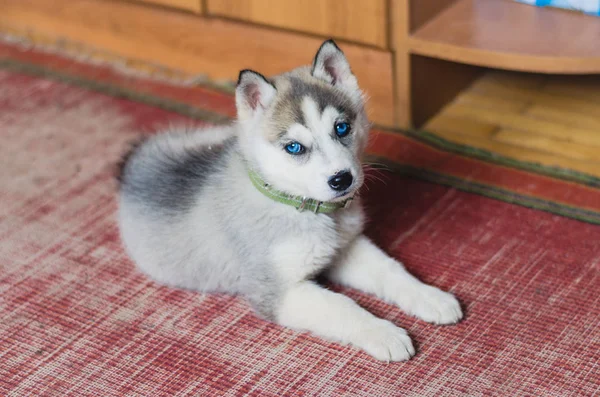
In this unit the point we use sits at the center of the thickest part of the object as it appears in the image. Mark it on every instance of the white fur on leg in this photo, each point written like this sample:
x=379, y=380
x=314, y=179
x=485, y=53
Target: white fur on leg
x=307, y=306
x=369, y=269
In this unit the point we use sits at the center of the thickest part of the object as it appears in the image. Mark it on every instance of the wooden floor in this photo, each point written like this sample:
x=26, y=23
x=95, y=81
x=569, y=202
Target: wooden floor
x=548, y=119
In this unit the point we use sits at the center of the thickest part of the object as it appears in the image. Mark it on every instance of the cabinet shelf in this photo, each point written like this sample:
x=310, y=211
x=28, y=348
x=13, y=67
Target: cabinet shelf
x=510, y=35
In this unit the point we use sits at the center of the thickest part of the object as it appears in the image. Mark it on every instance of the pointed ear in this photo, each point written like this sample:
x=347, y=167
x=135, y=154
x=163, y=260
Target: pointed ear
x=330, y=64
x=253, y=92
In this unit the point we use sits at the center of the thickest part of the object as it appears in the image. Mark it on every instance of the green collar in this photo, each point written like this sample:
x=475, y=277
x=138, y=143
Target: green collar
x=300, y=203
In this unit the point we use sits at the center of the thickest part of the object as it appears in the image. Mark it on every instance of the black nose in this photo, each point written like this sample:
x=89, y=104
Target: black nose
x=340, y=181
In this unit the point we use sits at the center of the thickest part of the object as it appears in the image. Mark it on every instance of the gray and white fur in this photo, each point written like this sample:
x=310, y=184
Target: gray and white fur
x=190, y=216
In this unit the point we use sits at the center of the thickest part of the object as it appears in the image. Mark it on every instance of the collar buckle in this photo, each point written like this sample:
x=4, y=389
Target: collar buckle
x=348, y=202
x=302, y=204
x=318, y=206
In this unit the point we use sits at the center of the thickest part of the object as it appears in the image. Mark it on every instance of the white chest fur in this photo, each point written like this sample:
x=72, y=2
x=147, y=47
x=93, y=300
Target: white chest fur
x=315, y=243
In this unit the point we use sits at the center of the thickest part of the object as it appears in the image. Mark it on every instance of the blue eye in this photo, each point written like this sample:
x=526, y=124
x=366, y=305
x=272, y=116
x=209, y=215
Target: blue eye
x=342, y=129
x=294, y=148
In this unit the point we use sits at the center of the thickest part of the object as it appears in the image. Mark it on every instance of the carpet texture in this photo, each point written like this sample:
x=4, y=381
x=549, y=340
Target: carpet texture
x=78, y=319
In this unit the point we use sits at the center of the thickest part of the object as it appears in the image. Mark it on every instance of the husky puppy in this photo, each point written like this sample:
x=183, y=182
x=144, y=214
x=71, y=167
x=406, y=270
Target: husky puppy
x=261, y=207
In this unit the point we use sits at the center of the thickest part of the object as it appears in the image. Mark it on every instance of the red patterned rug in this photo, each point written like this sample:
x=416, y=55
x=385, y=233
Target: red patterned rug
x=77, y=318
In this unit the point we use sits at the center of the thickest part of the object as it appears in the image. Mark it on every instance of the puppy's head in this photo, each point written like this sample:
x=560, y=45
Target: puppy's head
x=305, y=131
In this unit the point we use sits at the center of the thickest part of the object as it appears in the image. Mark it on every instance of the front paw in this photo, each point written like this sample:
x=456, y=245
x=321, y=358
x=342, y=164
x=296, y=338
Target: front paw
x=435, y=306
x=384, y=341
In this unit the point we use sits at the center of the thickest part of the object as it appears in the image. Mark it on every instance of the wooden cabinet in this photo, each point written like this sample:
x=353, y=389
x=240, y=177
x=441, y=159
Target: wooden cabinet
x=410, y=56
x=360, y=21
x=212, y=46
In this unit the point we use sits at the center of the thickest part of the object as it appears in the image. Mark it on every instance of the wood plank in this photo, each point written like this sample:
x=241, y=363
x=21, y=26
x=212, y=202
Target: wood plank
x=446, y=124
x=192, y=44
x=577, y=105
x=558, y=147
x=479, y=100
x=566, y=117
x=523, y=154
x=354, y=20
x=489, y=87
x=552, y=93
x=511, y=35
x=520, y=122
x=190, y=5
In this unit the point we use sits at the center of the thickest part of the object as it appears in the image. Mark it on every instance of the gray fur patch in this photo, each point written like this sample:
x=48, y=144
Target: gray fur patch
x=169, y=180
x=324, y=95
x=288, y=109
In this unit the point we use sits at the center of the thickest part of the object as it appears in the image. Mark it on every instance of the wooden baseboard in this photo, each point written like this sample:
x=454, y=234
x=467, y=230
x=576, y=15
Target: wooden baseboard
x=193, y=44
